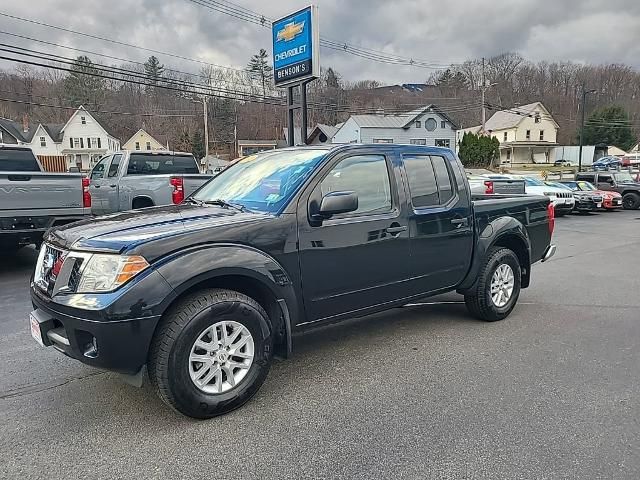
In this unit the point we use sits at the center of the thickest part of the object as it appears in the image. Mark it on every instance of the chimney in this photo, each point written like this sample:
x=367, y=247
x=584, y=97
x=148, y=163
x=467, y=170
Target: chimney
x=25, y=122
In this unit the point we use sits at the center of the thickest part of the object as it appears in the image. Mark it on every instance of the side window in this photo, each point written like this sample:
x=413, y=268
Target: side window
x=445, y=188
x=98, y=171
x=604, y=178
x=368, y=176
x=586, y=177
x=422, y=181
x=115, y=165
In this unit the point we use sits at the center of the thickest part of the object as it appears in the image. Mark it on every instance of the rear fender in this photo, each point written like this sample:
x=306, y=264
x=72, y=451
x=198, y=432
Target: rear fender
x=503, y=231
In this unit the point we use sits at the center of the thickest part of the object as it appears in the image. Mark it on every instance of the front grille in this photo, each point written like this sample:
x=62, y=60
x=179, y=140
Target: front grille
x=74, y=278
x=48, y=267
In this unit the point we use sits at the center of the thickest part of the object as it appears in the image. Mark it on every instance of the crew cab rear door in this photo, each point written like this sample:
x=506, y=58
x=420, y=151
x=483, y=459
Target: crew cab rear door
x=97, y=187
x=440, y=221
x=356, y=260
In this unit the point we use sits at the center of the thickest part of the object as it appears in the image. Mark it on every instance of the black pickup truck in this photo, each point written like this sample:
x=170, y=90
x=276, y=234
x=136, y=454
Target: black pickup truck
x=202, y=295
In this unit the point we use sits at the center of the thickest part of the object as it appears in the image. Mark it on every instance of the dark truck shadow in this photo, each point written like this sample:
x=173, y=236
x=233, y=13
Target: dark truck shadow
x=20, y=261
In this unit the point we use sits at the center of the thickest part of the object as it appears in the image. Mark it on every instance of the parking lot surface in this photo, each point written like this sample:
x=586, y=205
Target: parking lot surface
x=419, y=392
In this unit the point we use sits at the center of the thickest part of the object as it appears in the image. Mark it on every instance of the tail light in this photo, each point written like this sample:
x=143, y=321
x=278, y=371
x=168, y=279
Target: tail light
x=488, y=187
x=86, y=195
x=177, y=196
x=551, y=216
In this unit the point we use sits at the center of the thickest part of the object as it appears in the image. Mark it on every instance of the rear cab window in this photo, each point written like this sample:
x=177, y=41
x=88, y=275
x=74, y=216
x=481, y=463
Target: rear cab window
x=161, y=164
x=430, y=180
x=17, y=160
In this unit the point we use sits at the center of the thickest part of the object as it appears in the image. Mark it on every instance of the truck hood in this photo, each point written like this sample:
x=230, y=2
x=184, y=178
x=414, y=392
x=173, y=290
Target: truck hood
x=121, y=231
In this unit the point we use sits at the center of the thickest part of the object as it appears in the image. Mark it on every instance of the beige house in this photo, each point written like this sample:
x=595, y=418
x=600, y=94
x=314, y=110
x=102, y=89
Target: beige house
x=527, y=134
x=142, y=140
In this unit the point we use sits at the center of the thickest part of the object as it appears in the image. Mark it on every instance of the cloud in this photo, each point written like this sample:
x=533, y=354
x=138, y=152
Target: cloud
x=438, y=31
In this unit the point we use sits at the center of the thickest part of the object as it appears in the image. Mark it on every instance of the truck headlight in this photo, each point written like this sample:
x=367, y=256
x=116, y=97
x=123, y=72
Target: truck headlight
x=104, y=273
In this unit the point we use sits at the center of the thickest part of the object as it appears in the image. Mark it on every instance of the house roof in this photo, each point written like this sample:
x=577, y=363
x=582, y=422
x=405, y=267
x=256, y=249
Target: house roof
x=84, y=110
x=328, y=130
x=54, y=130
x=403, y=120
x=512, y=117
x=15, y=130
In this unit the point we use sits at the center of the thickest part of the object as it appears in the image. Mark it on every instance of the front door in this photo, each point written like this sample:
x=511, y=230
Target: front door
x=356, y=260
x=98, y=181
x=605, y=181
x=440, y=222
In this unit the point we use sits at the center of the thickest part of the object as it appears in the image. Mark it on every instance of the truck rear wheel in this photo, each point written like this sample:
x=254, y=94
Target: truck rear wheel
x=498, y=286
x=631, y=201
x=211, y=353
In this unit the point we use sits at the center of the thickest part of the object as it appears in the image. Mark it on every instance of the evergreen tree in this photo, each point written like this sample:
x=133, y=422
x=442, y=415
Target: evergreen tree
x=197, y=146
x=478, y=151
x=260, y=70
x=153, y=69
x=610, y=126
x=82, y=86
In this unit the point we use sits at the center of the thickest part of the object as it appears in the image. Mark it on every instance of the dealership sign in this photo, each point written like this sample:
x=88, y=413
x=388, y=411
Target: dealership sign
x=296, y=45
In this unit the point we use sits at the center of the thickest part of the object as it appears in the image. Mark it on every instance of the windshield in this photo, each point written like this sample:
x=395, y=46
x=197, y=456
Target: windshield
x=623, y=177
x=532, y=182
x=154, y=164
x=586, y=186
x=264, y=182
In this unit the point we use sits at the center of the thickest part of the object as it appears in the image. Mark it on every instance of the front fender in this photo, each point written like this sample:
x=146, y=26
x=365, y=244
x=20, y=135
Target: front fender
x=491, y=234
x=188, y=268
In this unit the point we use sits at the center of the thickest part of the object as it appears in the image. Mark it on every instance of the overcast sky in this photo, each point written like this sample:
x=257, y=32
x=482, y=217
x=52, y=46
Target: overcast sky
x=438, y=31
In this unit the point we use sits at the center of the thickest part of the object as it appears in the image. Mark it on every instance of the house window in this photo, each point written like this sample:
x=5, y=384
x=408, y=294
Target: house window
x=430, y=125
x=137, y=145
x=445, y=142
x=148, y=145
x=83, y=120
x=43, y=142
x=508, y=154
x=383, y=140
x=443, y=124
x=99, y=143
x=528, y=134
x=537, y=118
x=418, y=141
x=94, y=142
x=542, y=135
x=76, y=143
x=418, y=124
x=506, y=135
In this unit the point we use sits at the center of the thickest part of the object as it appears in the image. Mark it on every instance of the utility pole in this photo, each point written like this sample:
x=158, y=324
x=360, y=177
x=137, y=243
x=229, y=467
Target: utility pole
x=484, y=87
x=206, y=133
x=582, y=106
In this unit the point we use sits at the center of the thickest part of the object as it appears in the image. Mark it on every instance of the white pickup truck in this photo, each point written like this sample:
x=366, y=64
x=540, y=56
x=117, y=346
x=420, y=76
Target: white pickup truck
x=32, y=201
x=138, y=179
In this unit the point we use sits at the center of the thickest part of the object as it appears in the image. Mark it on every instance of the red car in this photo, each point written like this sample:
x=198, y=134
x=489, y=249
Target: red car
x=610, y=200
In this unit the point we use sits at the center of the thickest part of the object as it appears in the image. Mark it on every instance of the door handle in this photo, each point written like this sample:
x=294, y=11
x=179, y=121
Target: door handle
x=395, y=230
x=113, y=186
x=96, y=186
x=460, y=222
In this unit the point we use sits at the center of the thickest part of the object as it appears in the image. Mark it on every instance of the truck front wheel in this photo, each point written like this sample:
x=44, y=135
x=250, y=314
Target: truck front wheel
x=211, y=353
x=631, y=201
x=498, y=286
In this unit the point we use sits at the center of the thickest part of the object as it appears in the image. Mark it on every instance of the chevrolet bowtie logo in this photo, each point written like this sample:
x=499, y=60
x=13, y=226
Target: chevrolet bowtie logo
x=290, y=31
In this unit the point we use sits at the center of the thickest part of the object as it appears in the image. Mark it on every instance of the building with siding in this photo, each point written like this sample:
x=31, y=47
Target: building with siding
x=143, y=140
x=427, y=125
x=80, y=142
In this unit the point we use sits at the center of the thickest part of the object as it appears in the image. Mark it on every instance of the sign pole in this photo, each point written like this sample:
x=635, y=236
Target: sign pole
x=290, y=108
x=303, y=104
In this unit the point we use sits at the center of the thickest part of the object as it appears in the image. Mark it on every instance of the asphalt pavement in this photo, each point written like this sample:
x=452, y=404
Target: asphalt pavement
x=419, y=392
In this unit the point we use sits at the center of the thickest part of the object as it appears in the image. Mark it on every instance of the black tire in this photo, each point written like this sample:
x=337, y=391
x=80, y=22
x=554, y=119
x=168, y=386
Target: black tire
x=178, y=331
x=631, y=201
x=479, y=303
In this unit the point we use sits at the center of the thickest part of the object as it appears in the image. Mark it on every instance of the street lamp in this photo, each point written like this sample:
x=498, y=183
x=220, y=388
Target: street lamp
x=582, y=106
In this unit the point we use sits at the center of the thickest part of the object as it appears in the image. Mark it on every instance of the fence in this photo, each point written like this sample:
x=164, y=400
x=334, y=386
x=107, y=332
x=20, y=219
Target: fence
x=53, y=163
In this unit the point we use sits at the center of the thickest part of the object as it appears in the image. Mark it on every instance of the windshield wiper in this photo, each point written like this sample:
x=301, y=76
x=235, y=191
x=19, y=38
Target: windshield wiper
x=195, y=201
x=223, y=203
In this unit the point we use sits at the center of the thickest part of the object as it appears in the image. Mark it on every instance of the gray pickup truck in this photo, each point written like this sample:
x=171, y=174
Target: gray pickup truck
x=130, y=180
x=32, y=201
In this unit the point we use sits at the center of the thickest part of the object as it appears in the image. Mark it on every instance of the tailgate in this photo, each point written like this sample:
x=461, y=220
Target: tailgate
x=194, y=182
x=39, y=191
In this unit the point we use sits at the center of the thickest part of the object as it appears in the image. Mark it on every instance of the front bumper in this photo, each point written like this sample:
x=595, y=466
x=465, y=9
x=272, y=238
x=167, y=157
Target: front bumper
x=109, y=331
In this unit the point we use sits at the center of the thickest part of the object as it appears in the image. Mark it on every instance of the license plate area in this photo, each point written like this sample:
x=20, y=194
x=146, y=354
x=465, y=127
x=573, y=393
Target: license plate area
x=36, y=332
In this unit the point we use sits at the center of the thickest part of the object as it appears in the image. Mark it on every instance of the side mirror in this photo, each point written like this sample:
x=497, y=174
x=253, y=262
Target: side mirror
x=335, y=203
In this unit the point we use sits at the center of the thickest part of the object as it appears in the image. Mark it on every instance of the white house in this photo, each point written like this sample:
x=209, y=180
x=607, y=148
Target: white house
x=427, y=125
x=81, y=141
x=527, y=134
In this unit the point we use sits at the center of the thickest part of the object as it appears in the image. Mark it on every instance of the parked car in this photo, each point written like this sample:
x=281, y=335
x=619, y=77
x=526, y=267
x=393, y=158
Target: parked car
x=562, y=200
x=631, y=160
x=562, y=163
x=139, y=179
x=204, y=293
x=605, y=163
x=32, y=201
x=584, y=201
x=610, y=200
x=481, y=184
x=621, y=182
